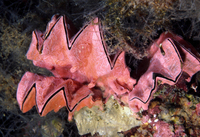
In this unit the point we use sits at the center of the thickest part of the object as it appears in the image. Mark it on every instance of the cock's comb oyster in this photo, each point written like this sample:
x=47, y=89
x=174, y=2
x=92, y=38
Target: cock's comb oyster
x=85, y=74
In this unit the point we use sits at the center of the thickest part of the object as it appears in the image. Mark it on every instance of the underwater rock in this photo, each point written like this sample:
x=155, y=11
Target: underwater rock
x=113, y=119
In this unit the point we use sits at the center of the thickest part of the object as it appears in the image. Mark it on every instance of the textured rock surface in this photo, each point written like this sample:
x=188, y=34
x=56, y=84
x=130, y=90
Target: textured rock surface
x=114, y=118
